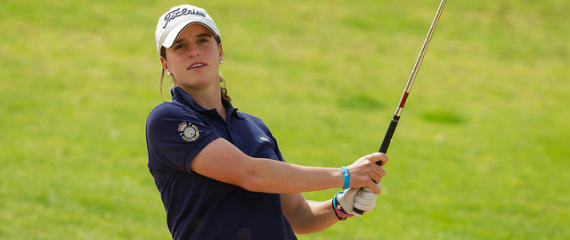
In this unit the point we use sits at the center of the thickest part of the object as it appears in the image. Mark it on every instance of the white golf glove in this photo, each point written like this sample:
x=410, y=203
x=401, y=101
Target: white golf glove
x=362, y=198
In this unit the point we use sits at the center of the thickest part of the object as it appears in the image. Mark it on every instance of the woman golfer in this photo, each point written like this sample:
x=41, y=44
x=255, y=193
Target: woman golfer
x=219, y=171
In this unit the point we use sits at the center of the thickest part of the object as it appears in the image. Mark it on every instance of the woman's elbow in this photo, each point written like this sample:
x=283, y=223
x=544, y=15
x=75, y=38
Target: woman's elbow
x=250, y=183
x=250, y=180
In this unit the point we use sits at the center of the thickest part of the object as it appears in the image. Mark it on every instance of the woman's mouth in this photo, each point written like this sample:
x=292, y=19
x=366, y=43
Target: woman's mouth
x=196, y=65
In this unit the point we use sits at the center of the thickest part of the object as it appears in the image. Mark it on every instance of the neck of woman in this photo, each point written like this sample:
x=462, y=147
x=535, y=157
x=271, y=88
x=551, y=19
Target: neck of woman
x=209, y=98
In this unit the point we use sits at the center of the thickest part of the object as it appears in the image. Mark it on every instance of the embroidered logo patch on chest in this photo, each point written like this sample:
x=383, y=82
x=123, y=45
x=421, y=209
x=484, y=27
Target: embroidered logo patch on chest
x=188, y=132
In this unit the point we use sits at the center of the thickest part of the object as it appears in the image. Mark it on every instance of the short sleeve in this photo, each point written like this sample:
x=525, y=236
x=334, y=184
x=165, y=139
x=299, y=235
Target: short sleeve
x=174, y=137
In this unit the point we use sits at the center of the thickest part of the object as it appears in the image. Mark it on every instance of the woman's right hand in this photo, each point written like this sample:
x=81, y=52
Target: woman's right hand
x=364, y=172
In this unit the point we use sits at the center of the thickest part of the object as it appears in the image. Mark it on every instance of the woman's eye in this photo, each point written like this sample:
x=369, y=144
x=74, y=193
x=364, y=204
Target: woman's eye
x=202, y=40
x=178, y=46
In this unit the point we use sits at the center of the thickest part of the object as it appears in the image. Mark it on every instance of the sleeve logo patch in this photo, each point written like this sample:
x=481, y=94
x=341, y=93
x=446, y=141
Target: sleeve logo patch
x=188, y=132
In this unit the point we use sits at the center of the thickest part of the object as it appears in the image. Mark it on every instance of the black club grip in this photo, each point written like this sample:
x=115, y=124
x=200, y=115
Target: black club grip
x=389, y=134
x=384, y=146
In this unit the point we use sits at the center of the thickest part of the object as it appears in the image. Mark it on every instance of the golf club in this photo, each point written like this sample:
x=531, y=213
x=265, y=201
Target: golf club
x=396, y=117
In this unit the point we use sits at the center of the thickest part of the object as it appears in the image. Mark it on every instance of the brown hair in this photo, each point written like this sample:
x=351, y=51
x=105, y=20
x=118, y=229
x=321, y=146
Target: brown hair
x=223, y=88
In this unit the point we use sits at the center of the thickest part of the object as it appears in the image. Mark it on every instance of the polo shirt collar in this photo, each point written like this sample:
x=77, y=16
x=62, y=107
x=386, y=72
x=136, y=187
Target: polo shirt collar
x=179, y=95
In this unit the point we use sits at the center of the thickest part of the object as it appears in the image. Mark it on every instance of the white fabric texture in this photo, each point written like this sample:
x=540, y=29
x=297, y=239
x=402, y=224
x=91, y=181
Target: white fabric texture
x=346, y=199
x=365, y=199
x=362, y=198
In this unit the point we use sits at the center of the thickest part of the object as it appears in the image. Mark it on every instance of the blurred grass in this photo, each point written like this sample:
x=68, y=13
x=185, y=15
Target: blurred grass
x=482, y=150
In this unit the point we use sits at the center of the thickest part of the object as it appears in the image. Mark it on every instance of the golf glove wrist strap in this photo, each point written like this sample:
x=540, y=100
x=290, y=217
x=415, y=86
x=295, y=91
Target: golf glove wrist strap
x=338, y=211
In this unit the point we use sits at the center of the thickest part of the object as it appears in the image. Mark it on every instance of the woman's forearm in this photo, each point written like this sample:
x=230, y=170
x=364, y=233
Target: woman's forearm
x=270, y=176
x=222, y=161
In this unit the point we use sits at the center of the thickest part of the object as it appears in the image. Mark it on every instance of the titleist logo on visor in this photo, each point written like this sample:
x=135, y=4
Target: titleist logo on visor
x=177, y=13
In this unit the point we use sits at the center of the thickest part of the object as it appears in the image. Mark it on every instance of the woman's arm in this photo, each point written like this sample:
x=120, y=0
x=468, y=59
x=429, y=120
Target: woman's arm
x=307, y=216
x=222, y=161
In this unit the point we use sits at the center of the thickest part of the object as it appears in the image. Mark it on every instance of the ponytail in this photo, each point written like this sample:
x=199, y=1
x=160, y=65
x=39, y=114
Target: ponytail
x=224, y=90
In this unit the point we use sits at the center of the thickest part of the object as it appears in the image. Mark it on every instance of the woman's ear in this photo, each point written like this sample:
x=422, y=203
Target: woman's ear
x=221, y=50
x=164, y=65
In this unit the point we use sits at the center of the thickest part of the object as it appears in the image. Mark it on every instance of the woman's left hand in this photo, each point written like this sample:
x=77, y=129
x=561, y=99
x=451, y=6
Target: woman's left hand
x=360, y=198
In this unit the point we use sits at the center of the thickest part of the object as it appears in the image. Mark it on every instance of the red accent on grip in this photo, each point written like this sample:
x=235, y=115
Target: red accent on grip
x=403, y=100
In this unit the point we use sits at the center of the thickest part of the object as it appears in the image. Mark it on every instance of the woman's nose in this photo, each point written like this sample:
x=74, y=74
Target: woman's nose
x=194, y=51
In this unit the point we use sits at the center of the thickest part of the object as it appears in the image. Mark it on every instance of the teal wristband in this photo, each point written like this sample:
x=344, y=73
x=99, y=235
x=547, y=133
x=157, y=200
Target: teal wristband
x=334, y=199
x=346, y=177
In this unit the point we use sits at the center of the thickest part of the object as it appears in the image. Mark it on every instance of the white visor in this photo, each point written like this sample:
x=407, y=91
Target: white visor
x=172, y=22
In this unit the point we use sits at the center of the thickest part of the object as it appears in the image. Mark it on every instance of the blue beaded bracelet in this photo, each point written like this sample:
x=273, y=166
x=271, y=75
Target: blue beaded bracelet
x=346, y=177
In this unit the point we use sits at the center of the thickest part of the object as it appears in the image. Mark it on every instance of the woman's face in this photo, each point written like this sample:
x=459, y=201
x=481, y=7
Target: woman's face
x=194, y=58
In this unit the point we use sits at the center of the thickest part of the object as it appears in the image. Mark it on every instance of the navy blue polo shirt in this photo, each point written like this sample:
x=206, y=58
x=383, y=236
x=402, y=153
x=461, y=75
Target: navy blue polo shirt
x=198, y=207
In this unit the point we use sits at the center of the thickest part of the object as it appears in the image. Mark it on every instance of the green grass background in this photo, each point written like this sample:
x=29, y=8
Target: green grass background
x=482, y=150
